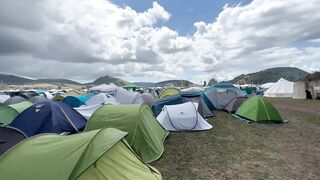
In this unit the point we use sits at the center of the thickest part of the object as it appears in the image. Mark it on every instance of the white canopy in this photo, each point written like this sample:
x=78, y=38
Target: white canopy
x=267, y=85
x=282, y=88
x=182, y=117
x=101, y=98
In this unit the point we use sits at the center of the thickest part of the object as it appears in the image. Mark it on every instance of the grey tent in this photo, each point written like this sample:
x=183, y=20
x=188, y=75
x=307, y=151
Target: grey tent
x=219, y=95
x=39, y=99
x=234, y=104
x=14, y=100
x=9, y=137
x=197, y=97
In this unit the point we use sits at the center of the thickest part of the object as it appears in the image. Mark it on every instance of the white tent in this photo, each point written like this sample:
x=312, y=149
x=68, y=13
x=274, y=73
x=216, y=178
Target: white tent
x=282, y=88
x=48, y=95
x=101, y=98
x=182, y=117
x=3, y=98
x=267, y=85
x=299, y=90
x=122, y=96
x=87, y=111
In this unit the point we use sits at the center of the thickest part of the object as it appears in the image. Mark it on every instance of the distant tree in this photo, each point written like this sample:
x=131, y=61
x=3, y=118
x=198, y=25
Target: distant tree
x=212, y=81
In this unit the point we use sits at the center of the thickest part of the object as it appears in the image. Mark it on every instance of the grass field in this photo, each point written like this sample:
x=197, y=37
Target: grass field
x=238, y=150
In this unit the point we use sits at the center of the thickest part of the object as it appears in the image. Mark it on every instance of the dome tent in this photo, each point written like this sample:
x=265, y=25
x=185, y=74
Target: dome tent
x=9, y=137
x=197, y=97
x=169, y=92
x=76, y=101
x=170, y=100
x=49, y=117
x=3, y=98
x=99, y=154
x=182, y=117
x=10, y=112
x=145, y=134
x=15, y=100
x=258, y=109
x=234, y=104
x=101, y=98
x=220, y=94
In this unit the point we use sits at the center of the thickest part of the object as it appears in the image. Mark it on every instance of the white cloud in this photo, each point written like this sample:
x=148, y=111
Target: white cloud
x=84, y=39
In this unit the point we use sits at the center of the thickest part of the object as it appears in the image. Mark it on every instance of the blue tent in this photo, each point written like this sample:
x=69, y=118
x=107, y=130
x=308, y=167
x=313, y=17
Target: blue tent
x=169, y=100
x=49, y=117
x=76, y=101
x=220, y=94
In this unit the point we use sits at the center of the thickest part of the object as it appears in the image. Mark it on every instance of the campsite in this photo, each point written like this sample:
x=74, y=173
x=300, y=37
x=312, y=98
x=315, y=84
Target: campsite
x=221, y=131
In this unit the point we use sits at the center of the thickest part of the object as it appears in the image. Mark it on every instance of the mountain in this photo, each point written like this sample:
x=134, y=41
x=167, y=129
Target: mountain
x=11, y=79
x=270, y=75
x=184, y=83
x=16, y=80
x=109, y=79
x=56, y=81
x=144, y=84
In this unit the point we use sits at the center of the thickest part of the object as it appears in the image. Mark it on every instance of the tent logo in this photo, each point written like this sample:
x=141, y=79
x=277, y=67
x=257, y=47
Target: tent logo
x=37, y=110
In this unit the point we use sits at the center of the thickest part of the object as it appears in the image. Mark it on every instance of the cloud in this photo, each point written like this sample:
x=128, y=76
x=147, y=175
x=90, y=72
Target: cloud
x=85, y=39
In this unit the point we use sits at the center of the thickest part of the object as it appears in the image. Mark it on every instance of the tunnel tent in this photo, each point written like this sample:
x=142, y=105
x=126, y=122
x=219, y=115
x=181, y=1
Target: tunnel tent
x=145, y=134
x=258, y=109
x=169, y=92
x=197, y=97
x=98, y=154
x=182, y=117
x=49, y=117
x=9, y=112
x=220, y=94
x=9, y=137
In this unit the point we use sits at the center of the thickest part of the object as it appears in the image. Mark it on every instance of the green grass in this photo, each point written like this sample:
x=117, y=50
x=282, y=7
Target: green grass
x=238, y=150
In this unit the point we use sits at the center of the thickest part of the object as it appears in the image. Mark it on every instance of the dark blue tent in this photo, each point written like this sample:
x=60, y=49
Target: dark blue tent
x=76, y=101
x=49, y=117
x=169, y=100
x=9, y=137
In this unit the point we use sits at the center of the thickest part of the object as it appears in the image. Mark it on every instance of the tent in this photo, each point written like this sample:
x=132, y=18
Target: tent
x=282, y=88
x=130, y=86
x=76, y=101
x=49, y=117
x=234, y=104
x=182, y=117
x=87, y=111
x=169, y=92
x=100, y=154
x=170, y=100
x=70, y=93
x=15, y=100
x=220, y=94
x=39, y=99
x=3, y=98
x=122, y=96
x=101, y=98
x=267, y=85
x=310, y=83
x=148, y=99
x=258, y=109
x=197, y=97
x=48, y=95
x=9, y=112
x=145, y=134
x=9, y=137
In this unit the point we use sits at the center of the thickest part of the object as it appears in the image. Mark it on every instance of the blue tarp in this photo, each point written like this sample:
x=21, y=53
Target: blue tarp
x=170, y=100
x=49, y=117
x=76, y=101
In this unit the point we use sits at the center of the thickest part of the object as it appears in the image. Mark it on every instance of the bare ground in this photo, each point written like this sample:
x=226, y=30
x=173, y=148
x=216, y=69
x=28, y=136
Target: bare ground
x=238, y=150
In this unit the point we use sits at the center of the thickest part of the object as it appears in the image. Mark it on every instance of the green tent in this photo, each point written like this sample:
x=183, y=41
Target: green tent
x=130, y=86
x=70, y=93
x=258, y=109
x=100, y=154
x=145, y=134
x=169, y=92
x=10, y=112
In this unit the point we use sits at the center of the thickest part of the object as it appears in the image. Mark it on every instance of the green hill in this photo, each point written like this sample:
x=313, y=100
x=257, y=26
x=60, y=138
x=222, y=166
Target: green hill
x=270, y=75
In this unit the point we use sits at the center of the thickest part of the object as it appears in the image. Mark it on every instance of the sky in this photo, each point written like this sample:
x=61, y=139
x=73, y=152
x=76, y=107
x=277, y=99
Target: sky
x=146, y=40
